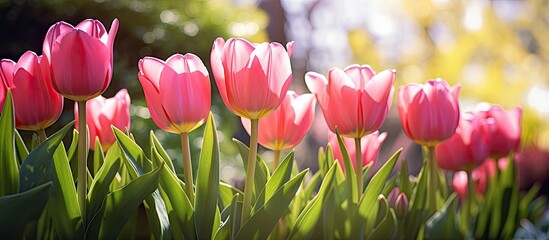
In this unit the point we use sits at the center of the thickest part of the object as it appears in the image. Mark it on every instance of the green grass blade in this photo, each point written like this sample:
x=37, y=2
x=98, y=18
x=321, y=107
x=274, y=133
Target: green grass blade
x=9, y=166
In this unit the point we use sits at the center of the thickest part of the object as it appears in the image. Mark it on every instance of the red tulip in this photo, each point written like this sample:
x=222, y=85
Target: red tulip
x=370, y=146
x=503, y=136
x=429, y=113
x=467, y=148
x=29, y=83
x=6, y=80
x=288, y=124
x=252, y=79
x=355, y=100
x=177, y=91
x=102, y=113
x=79, y=60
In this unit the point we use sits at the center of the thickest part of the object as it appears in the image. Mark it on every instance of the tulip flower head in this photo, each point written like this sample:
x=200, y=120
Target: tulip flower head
x=503, y=134
x=252, y=79
x=287, y=125
x=429, y=113
x=79, y=60
x=6, y=80
x=102, y=113
x=354, y=100
x=370, y=147
x=467, y=148
x=177, y=91
x=30, y=83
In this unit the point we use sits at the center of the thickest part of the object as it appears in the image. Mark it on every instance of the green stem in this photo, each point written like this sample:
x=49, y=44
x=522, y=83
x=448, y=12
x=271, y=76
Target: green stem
x=358, y=166
x=250, y=172
x=470, y=194
x=187, y=166
x=42, y=135
x=276, y=159
x=82, y=159
x=433, y=174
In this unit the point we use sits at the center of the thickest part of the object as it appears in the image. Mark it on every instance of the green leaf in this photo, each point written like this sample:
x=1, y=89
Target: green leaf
x=442, y=225
x=178, y=206
x=63, y=201
x=155, y=144
x=9, y=166
x=281, y=175
x=226, y=194
x=37, y=167
x=230, y=226
x=19, y=209
x=264, y=219
x=511, y=199
x=387, y=227
x=20, y=148
x=207, y=183
x=368, y=205
x=261, y=169
x=133, y=153
x=322, y=161
x=99, y=188
x=120, y=205
x=98, y=157
x=72, y=154
x=404, y=183
x=310, y=215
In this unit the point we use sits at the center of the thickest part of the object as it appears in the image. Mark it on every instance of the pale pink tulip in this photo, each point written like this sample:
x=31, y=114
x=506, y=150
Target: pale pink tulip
x=288, y=124
x=79, y=60
x=503, y=135
x=429, y=113
x=252, y=79
x=467, y=148
x=370, y=147
x=36, y=104
x=355, y=101
x=177, y=91
x=102, y=113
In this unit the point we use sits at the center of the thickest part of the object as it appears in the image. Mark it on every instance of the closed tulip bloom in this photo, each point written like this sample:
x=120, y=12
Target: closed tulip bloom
x=252, y=79
x=355, y=101
x=102, y=114
x=6, y=80
x=36, y=104
x=466, y=149
x=429, y=113
x=287, y=125
x=503, y=135
x=370, y=147
x=177, y=91
x=79, y=60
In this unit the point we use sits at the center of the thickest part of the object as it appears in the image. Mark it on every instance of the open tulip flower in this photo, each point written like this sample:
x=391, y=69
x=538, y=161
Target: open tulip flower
x=177, y=91
x=252, y=79
x=106, y=112
x=30, y=83
x=370, y=147
x=79, y=59
x=503, y=134
x=355, y=100
x=468, y=147
x=287, y=125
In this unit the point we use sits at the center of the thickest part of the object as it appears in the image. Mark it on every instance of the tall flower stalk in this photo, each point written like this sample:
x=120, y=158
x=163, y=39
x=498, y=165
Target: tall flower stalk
x=250, y=171
x=82, y=158
x=187, y=165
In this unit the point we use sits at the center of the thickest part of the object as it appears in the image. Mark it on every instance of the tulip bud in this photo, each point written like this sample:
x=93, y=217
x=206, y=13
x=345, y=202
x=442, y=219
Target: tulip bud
x=392, y=198
x=401, y=206
x=503, y=134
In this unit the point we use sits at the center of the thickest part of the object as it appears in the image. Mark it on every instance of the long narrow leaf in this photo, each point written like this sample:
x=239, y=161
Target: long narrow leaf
x=261, y=170
x=9, y=166
x=20, y=148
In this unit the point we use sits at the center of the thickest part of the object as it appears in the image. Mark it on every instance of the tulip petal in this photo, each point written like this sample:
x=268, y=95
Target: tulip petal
x=360, y=75
x=151, y=68
x=218, y=69
x=152, y=97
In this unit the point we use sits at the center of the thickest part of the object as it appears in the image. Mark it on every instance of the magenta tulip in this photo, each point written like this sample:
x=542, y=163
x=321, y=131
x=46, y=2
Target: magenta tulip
x=288, y=124
x=6, y=80
x=429, y=113
x=252, y=79
x=79, y=60
x=370, y=147
x=503, y=136
x=102, y=114
x=30, y=83
x=177, y=91
x=467, y=148
x=355, y=101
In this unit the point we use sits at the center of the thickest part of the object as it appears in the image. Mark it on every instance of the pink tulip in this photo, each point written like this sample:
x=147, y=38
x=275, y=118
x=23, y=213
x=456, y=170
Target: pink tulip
x=355, y=100
x=503, y=136
x=79, y=60
x=429, y=113
x=37, y=105
x=102, y=113
x=252, y=79
x=467, y=148
x=177, y=91
x=6, y=80
x=288, y=124
x=370, y=146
